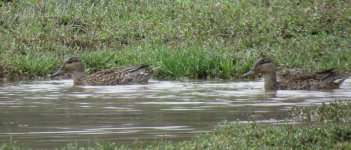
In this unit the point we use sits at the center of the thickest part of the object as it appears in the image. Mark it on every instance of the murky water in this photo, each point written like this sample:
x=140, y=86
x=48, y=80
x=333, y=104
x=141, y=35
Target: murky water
x=47, y=114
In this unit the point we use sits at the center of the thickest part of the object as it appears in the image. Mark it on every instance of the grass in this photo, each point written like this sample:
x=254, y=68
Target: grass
x=194, y=39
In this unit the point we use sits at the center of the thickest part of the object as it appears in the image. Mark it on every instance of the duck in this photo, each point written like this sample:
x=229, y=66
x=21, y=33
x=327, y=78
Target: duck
x=296, y=80
x=135, y=74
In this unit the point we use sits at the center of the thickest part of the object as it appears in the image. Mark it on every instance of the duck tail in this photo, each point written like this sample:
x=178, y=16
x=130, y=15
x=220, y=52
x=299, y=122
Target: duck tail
x=339, y=81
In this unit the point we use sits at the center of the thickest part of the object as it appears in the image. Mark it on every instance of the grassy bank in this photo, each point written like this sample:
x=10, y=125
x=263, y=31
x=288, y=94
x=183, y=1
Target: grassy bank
x=331, y=129
x=196, y=39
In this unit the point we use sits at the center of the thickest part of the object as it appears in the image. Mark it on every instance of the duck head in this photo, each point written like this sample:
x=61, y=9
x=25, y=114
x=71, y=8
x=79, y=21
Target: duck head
x=263, y=66
x=71, y=66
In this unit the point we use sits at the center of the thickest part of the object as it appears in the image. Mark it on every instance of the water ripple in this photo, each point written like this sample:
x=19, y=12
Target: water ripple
x=55, y=113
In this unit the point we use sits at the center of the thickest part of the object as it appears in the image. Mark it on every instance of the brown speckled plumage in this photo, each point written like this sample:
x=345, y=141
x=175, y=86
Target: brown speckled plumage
x=286, y=72
x=114, y=76
x=298, y=79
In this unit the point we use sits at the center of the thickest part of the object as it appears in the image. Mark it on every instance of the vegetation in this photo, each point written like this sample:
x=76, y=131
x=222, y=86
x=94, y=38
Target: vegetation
x=196, y=39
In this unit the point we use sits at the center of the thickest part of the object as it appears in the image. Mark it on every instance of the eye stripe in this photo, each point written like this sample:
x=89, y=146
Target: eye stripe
x=263, y=61
x=72, y=60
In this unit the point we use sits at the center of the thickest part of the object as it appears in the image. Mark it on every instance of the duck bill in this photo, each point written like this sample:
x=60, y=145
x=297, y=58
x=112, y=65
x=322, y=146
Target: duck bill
x=251, y=72
x=57, y=73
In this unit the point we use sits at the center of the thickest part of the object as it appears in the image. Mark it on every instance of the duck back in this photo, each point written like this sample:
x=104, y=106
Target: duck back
x=117, y=76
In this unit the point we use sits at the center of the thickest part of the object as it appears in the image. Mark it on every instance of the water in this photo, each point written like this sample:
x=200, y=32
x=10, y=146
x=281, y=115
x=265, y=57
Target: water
x=47, y=114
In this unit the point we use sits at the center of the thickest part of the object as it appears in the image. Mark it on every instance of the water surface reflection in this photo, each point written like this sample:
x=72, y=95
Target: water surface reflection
x=50, y=114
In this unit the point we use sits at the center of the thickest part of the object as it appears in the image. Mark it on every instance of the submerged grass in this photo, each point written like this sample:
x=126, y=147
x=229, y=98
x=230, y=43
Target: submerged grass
x=338, y=111
x=196, y=39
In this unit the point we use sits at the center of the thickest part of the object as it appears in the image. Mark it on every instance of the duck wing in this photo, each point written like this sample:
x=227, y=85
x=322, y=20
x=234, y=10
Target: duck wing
x=136, y=68
x=327, y=79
